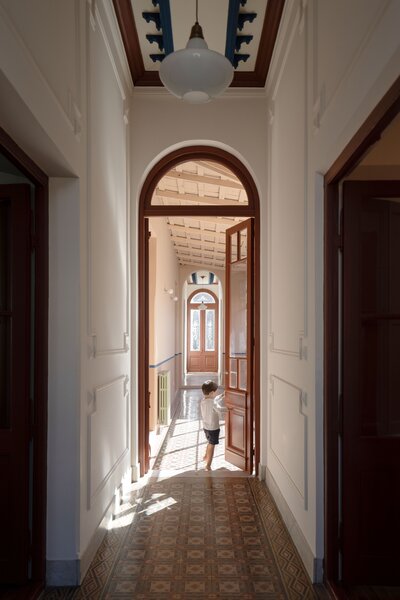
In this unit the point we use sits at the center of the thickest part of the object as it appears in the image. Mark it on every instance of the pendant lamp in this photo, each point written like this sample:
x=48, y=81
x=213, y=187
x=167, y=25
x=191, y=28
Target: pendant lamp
x=196, y=74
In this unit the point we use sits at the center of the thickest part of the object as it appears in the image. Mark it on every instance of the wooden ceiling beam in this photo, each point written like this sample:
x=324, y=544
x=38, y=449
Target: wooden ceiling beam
x=200, y=263
x=191, y=231
x=217, y=220
x=170, y=195
x=183, y=176
x=219, y=169
x=202, y=245
x=201, y=242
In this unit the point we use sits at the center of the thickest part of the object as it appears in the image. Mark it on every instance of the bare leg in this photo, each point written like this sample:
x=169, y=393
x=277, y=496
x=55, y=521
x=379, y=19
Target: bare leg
x=209, y=456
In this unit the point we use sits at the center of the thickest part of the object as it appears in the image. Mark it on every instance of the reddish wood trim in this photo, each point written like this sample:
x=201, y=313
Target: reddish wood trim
x=273, y=15
x=37, y=176
x=127, y=26
x=195, y=210
x=365, y=137
x=164, y=165
x=143, y=78
x=369, y=133
x=143, y=349
x=21, y=160
x=188, y=153
x=202, y=325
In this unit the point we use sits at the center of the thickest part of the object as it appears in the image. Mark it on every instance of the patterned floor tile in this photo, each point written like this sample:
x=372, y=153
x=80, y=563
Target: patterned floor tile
x=194, y=535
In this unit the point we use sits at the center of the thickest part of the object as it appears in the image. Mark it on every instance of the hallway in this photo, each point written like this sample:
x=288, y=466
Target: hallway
x=183, y=532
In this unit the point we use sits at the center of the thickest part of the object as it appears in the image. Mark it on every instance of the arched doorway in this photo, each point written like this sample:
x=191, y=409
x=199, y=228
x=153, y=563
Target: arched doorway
x=202, y=332
x=249, y=211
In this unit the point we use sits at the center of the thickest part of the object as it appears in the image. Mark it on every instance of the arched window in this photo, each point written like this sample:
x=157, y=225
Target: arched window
x=203, y=297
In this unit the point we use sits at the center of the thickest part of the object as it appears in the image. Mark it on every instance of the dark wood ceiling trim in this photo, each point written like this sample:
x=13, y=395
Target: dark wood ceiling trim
x=256, y=78
x=126, y=23
x=272, y=20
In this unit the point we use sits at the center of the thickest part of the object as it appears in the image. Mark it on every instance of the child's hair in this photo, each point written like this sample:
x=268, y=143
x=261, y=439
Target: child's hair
x=208, y=387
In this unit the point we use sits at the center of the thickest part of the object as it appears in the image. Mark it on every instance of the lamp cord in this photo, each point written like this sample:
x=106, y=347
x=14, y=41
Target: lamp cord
x=197, y=8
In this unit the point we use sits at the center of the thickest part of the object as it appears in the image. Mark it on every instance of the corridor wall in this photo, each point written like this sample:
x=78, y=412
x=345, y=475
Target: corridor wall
x=332, y=64
x=65, y=93
x=163, y=313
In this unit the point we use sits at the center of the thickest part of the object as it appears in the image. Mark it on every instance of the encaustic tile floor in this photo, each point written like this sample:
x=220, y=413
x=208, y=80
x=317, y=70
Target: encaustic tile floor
x=187, y=533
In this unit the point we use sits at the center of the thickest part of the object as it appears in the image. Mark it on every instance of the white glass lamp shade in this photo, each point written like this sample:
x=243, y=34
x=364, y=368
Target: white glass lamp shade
x=196, y=74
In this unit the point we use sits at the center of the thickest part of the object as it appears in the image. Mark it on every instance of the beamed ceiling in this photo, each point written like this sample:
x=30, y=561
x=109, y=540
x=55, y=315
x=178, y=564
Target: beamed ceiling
x=200, y=241
x=244, y=30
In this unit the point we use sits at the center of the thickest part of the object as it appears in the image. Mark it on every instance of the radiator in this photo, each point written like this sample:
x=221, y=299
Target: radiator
x=163, y=397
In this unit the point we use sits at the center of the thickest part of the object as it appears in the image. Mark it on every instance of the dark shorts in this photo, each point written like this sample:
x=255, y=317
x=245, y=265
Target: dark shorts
x=212, y=436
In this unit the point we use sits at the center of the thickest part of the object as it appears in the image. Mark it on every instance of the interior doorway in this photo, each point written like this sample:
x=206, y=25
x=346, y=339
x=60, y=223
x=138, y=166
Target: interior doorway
x=362, y=317
x=227, y=211
x=202, y=339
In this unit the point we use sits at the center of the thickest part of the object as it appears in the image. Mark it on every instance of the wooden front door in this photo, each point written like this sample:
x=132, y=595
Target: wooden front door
x=371, y=383
x=239, y=345
x=202, y=328
x=15, y=406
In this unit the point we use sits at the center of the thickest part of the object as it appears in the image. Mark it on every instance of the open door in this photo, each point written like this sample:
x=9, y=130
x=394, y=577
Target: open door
x=239, y=345
x=371, y=382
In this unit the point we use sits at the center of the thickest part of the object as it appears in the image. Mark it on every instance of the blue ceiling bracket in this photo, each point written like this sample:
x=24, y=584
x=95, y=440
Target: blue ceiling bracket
x=157, y=57
x=236, y=20
x=238, y=57
x=166, y=26
x=244, y=17
x=153, y=17
x=242, y=39
x=157, y=39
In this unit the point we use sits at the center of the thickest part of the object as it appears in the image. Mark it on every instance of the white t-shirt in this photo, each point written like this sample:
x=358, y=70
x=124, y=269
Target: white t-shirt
x=210, y=411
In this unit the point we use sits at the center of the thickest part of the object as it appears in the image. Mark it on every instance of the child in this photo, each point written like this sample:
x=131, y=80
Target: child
x=210, y=408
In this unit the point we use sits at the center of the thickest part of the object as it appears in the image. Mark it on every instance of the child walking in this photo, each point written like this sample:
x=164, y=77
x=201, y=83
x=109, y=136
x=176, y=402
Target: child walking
x=210, y=408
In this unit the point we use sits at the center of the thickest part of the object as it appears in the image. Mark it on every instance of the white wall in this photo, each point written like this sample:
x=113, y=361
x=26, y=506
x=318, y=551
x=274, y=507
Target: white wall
x=332, y=64
x=65, y=94
x=164, y=343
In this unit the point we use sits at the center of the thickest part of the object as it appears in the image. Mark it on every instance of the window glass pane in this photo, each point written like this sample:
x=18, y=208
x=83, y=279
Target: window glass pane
x=210, y=330
x=243, y=374
x=234, y=247
x=202, y=297
x=238, y=310
x=195, y=330
x=233, y=373
x=243, y=243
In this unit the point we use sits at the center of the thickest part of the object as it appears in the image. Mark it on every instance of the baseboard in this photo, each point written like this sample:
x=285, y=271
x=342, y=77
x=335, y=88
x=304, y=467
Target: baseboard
x=62, y=572
x=312, y=564
x=135, y=472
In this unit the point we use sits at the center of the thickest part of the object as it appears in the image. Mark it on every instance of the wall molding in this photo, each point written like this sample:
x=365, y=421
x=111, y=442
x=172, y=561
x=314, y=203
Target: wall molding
x=70, y=107
x=96, y=347
x=299, y=28
x=92, y=401
x=322, y=102
x=301, y=408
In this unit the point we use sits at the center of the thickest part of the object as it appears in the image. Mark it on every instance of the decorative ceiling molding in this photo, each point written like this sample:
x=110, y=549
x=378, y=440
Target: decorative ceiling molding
x=242, y=79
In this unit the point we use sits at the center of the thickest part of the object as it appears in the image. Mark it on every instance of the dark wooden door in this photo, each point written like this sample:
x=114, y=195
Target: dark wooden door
x=371, y=383
x=202, y=328
x=14, y=381
x=239, y=345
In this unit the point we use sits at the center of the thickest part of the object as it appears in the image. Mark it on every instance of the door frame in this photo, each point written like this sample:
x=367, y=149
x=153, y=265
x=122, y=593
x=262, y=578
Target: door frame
x=39, y=427
x=367, y=135
x=146, y=210
x=186, y=342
